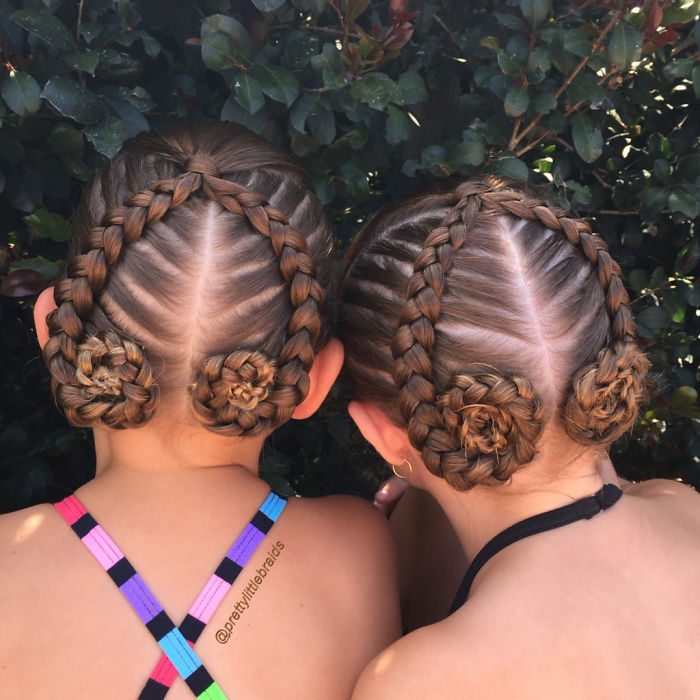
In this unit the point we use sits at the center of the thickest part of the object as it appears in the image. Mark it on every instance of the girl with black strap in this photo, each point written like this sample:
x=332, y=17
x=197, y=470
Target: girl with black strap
x=495, y=359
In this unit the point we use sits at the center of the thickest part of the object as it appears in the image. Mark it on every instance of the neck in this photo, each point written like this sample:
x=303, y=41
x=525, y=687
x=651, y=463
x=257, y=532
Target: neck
x=163, y=447
x=480, y=514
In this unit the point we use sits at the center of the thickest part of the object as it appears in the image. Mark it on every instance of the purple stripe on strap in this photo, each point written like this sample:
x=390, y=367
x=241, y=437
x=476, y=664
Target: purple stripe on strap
x=245, y=550
x=145, y=605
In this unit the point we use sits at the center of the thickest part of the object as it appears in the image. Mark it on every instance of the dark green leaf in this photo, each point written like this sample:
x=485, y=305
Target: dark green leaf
x=517, y=101
x=512, y=167
x=90, y=31
x=638, y=280
x=576, y=42
x=374, y=89
x=46, y=27
x=397, y=126
x=655, y=199
x=680, y=68
x=108, y=136
x=508, y=63
x=625, y=46
x=276, y=82
x=65, y=141
x=588, y=140
x=695, y=76
x=662, y=170
x=21, y=93
x=688, y=257
x=86, y=62
x=411, y=89
x=471, y=151
x=544, y=102
x=510, y=22
x=688, y=167
x=330, y=64
x=322, y=125
x=268, y=5
x=45, y=224
x=225, y=42
x=233, y=112
x=299, y=48
x=654, y=317
x=684, y=203
x=301, y=110
x=49, y=269
x=73, y=100
x=534, y=11
x=355, y=179
x=248, y=93
x=684, y=397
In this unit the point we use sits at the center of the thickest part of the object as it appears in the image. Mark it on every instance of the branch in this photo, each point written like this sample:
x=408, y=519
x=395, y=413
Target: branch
x=513, y=136
x=570, y=78
x=80, y=19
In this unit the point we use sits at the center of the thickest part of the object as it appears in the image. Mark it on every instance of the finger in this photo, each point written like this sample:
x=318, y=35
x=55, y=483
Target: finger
x=391, y=491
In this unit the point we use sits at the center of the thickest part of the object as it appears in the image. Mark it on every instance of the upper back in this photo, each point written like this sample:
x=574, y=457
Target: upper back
x=600, y=608
x=329, y=578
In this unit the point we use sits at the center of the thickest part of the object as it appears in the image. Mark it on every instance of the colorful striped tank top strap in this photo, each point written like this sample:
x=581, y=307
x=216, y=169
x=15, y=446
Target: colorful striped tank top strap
x=141, y=599
x=208, y=601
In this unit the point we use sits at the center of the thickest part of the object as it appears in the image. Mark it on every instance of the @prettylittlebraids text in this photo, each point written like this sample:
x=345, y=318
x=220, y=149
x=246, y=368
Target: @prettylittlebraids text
x=223, y=634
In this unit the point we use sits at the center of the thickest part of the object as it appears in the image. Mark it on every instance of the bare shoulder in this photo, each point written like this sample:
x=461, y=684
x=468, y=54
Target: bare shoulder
x=662, y=487
x=446, y=660
x=674, y=494
x=352, y=525
x=22, y=528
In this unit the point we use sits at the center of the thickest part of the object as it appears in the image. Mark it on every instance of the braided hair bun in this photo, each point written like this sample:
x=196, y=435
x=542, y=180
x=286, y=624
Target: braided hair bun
x=200, y=205
x=490, y=424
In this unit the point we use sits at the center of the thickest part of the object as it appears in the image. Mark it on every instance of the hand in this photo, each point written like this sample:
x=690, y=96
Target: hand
x=389, y=494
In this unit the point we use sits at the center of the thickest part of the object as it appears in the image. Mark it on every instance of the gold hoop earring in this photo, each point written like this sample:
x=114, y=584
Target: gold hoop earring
x=402, y=476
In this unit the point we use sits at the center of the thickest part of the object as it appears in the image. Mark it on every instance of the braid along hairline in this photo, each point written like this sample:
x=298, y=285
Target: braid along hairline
x=442, y=439
x=87, y=275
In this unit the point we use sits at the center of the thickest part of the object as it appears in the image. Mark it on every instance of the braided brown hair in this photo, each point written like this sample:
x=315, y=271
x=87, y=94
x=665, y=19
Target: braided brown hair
x=438, y=286
x=167, y=271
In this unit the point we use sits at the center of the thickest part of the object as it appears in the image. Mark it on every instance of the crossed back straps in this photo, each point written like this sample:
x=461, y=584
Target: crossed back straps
x=177, y=643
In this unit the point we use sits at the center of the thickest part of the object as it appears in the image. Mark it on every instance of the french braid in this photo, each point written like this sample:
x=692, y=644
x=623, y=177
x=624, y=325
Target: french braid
x=268, y=405
x=105, y=377
x=483, y=424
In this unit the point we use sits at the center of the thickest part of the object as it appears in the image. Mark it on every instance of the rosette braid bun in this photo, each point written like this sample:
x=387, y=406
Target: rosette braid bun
x=199, y=260
x=476, y=315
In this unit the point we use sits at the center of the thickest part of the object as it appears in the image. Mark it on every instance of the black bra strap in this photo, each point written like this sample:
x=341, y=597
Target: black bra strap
x=583, y=509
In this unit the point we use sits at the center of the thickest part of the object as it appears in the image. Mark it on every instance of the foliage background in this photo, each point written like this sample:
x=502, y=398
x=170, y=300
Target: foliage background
x=597, y=100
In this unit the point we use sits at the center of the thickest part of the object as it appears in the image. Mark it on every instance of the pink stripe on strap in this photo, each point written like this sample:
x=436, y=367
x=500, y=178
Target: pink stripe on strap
x=209, y=599
x=71, y=509
x=103, y=547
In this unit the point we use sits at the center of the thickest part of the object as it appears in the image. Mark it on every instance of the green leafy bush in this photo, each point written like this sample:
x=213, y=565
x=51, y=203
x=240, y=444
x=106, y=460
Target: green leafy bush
x=598, y=100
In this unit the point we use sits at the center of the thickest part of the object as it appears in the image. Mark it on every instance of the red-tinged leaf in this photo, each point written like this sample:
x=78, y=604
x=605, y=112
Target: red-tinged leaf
x=665, y=37
x=397, y=10
x=656, y=14
x=23, y=283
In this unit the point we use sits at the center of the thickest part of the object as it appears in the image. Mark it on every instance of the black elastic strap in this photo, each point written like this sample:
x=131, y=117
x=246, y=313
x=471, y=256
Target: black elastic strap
x=583, y=509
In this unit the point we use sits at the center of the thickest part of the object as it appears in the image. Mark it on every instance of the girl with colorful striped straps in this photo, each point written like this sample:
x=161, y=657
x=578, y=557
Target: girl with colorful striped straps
x=190, y=323
x=495, y=359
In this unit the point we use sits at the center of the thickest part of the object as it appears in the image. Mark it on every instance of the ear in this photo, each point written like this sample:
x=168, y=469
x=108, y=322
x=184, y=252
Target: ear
x=388, y=439
x=43, y=306
x=324, y=371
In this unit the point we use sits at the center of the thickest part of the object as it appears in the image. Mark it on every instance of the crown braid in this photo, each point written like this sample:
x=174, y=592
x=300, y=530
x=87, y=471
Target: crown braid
x=484, y=424
x=105, y=378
